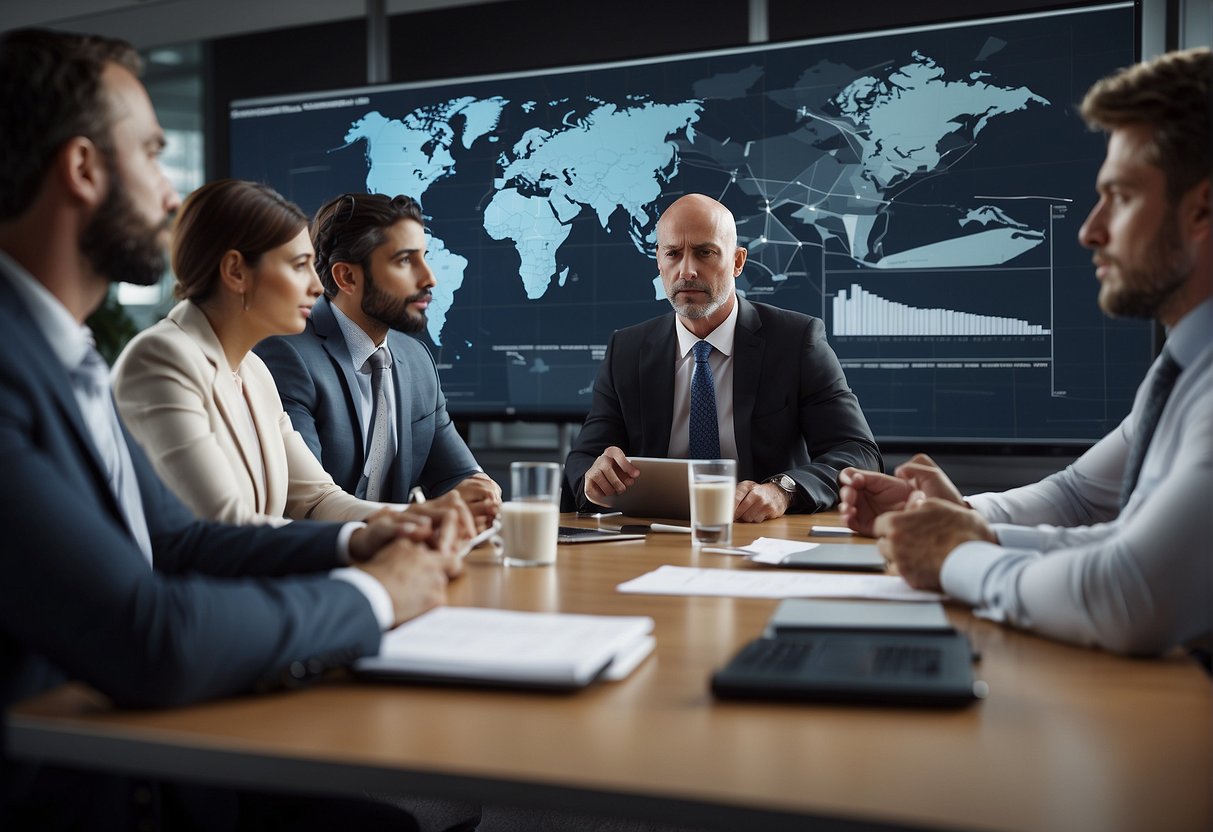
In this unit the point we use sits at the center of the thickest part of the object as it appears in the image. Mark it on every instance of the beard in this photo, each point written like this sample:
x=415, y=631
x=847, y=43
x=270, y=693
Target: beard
x=391, y=311
x=695, y=311
x=1145, y=290
x=119, y=244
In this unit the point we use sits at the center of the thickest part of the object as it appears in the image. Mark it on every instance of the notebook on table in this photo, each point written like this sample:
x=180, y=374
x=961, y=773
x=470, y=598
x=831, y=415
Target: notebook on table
x=507, y=648
x=798, y=615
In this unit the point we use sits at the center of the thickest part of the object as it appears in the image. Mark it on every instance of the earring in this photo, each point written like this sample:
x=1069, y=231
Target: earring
x=243, y=302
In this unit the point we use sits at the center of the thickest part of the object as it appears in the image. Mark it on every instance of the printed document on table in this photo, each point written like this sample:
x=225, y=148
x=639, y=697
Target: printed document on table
x=511, y=647
x=762, y=583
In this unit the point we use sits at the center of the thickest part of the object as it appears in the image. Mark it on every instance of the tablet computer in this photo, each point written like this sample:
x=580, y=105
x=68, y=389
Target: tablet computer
x=574, y=534
x=855, y=557
x=661, y=490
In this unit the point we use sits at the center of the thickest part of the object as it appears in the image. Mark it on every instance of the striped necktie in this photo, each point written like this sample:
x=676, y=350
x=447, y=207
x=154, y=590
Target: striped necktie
x=379, y=453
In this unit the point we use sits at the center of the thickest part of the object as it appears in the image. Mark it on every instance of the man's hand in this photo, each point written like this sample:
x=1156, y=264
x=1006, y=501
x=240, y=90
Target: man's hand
x=414, y=575
x=384, y=526
x=921, y=472
x=919, y=539
x=864, y=496
x=760, y=501
x=449, y=509
x=483, y=498
x=610, y=474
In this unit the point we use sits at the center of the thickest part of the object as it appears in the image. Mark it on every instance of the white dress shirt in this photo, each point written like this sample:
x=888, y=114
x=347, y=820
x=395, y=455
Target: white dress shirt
x=1071, y=568
x=721, y=362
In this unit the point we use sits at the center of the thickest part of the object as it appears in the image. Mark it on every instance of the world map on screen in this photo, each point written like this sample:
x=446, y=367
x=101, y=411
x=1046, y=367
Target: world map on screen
x=920, y=192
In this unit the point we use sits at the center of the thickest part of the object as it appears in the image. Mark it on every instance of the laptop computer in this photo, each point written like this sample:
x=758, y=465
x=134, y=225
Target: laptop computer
x=661, y=490
x=855, y=668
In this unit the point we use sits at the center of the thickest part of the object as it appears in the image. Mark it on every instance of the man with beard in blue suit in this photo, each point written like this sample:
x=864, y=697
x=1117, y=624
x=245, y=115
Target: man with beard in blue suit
x=109, y=579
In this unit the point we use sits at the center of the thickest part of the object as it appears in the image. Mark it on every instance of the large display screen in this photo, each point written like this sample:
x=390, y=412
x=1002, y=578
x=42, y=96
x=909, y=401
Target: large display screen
x=920, y=190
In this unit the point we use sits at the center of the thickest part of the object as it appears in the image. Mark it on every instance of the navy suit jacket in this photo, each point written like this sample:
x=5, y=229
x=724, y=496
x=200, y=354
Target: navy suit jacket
x=793, y=412
x=315, y=377
x=79, y=601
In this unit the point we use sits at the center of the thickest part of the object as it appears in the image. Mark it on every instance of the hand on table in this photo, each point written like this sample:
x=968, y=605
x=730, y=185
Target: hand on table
x=760, y=501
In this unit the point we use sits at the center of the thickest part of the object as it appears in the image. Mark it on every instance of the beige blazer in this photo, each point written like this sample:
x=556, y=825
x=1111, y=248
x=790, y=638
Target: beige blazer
x=176, y=394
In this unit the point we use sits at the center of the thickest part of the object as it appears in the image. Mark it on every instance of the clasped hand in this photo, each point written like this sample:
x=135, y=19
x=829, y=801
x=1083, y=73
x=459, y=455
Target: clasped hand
x=918, y=514
x=414, y=553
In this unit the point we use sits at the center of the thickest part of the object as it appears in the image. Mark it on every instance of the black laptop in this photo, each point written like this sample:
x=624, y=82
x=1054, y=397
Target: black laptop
x=855, y=668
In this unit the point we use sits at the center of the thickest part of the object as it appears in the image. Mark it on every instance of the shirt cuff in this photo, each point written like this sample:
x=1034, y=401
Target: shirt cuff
x=343, y=541
x=376, y=595
x=1034, y=538
x=964, y=571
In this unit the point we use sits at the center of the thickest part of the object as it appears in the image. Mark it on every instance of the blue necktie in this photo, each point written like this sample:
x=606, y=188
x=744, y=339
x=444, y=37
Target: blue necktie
x=705, y=430
x=1161, y=385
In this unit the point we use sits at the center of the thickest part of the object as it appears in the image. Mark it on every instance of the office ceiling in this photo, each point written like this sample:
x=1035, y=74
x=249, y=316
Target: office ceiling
x=150, y=23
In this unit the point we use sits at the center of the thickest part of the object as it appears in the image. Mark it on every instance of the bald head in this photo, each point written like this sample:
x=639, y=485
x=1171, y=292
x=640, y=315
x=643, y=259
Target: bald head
x=703, y=211
x=699, y=260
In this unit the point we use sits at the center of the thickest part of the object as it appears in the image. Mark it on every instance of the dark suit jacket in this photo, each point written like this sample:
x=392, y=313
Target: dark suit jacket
x=315, y=377
x=78, y=600
x=793, y=412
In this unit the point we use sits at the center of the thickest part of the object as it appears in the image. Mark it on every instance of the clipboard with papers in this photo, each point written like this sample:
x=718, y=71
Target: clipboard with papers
x=508, y=648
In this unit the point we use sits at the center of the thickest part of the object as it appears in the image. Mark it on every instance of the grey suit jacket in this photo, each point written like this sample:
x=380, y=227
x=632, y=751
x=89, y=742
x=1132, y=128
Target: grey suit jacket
x=315, y=377
x=793, y=412
x=78, y=600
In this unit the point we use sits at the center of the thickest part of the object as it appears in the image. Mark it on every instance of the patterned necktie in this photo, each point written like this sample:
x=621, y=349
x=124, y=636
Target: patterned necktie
x=91, y=382
x=378, y=454
x=705, y=430
x=1161, y=385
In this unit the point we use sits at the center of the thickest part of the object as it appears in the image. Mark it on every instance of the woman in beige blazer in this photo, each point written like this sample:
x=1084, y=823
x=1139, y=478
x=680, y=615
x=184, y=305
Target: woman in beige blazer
x=201, y=404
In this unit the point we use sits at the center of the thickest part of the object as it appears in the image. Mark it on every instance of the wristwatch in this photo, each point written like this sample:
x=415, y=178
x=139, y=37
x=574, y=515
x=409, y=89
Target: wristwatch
x=785, y=484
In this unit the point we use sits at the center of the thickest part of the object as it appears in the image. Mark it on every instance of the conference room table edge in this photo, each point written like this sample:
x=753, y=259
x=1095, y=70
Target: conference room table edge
x=75, y=726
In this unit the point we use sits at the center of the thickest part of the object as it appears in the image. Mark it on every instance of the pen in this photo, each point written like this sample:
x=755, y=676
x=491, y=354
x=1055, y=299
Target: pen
x=662, y=527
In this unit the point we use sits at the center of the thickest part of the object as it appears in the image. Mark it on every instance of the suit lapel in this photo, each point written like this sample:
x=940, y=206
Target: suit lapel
x=193, y=322
x=657, y=377
x=43, y=364
x=401, y=472
x=329, y=332
x=748, y=349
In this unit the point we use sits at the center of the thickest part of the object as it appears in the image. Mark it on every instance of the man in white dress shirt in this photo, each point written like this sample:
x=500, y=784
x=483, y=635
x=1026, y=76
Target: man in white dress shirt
x=1117, y=549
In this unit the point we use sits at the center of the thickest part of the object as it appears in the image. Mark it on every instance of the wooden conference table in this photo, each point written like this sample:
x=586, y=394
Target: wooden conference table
x=1068, y=739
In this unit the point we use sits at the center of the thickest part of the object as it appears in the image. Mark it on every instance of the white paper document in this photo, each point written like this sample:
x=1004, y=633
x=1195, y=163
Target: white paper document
x=773, y=550
x=756, y=583
x=510, y=647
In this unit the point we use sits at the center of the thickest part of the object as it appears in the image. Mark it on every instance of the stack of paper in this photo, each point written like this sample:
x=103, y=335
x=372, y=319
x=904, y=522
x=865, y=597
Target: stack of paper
x=754, y=583
x=504, y=647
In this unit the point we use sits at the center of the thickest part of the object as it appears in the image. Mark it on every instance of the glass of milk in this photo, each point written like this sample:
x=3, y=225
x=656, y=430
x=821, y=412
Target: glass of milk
x=713, y=484
x=530, y=518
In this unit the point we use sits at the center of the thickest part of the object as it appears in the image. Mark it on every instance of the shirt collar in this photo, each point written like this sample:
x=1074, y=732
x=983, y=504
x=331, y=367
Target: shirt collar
x=1190, y=336
x=721, y=338
x=357, y=341
x=69, y=340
